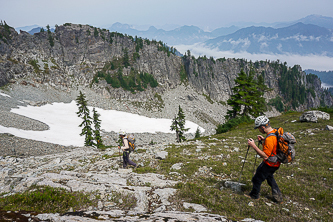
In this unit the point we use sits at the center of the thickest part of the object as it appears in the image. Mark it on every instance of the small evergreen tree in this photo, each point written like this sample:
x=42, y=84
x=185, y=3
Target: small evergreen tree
x=50, y=36
x=197, y=133
x=95, y=32
x=86, y=123
x=126, y=62
x=178, y=125
x=97, y=126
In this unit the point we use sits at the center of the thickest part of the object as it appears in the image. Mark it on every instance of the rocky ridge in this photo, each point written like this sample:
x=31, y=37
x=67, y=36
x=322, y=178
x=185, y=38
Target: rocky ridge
x=99, y=172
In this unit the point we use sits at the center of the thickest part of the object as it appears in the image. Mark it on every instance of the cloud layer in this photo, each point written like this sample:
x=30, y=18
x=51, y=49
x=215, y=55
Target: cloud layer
x=315, y=62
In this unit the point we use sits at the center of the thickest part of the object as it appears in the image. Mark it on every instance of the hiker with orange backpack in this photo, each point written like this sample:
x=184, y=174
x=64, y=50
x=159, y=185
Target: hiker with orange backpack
x=267, y=168
x=126, y=151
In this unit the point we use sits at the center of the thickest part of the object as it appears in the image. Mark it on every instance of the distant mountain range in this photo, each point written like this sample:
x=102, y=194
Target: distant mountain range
x=32, y=29
x=306, y=36
x=300, y=38
x=322, y=21
x=326, y=77
x=182, y=35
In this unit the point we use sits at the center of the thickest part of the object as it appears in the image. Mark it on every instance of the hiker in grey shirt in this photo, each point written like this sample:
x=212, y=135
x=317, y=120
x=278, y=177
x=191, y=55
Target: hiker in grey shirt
x=126, y=151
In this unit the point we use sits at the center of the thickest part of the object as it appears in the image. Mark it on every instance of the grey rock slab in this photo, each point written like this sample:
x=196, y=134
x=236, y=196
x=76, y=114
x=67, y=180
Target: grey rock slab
x=328, y=127
x=164, y=194
x=50, y=183
x=142, y=199
x=161, y=155
x=196, y=207
x=5, y=172
x=76, y=185
x=112, y=178
x=122, y=216
x=177, y=166
x=154, y=180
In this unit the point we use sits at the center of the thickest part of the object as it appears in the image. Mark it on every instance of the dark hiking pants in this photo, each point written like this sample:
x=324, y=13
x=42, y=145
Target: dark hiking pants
x=126, y=160
x=264, y=172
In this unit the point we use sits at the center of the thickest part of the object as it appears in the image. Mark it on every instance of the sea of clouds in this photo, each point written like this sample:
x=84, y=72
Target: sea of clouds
x=315, y=62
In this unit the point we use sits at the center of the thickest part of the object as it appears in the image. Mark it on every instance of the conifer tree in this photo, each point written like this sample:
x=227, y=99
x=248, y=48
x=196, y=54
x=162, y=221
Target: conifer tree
x=86, y=123
x=197, y=133
x=97, y=126
x=260, y=106
x=126, y=62
x=50, y=36
x=248, y=96
x=178, y=125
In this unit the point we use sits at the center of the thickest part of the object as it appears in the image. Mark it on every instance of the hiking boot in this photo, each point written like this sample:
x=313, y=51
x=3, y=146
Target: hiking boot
x=251, y=197
x=277, y=198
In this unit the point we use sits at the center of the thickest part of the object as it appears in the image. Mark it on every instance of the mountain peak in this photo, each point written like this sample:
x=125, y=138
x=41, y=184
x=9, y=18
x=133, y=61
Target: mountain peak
x=152, y=28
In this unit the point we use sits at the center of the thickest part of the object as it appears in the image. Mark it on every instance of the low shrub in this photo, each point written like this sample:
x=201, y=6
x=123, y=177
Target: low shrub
x=231, y=123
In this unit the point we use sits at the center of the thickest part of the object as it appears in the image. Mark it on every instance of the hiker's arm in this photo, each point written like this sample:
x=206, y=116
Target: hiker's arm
x=261, y=153
x=125, y=143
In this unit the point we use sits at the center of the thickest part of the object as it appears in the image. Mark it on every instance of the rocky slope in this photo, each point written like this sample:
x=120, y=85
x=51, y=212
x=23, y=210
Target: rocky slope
x=99, y=173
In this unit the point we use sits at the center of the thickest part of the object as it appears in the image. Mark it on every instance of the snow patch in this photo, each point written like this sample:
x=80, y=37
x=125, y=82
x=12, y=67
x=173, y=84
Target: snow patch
x=64, y=123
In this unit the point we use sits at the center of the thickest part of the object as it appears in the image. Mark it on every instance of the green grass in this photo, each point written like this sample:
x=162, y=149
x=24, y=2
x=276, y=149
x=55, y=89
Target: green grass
x=47, y=200
x=307, y=178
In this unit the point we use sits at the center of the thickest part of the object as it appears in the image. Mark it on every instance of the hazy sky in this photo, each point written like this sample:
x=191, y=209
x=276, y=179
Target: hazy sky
x=206, y=14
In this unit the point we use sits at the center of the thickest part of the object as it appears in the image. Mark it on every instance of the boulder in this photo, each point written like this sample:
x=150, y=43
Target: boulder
x=6, y=172
x=161, y=155
x=328, y=127
x=177, y=166
x=313, y=116
x=196, y=207
x=235, y=186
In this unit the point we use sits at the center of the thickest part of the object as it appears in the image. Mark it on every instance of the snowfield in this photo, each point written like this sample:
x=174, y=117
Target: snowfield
x=64, y=123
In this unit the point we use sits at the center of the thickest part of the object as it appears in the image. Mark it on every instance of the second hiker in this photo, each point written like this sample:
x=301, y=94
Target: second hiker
x=126, y=151
x=266, y=169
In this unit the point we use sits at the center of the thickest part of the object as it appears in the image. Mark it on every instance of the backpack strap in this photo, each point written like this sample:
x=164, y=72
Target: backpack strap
x=273, y=134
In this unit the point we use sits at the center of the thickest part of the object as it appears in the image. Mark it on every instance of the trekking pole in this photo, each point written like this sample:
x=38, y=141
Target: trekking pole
x=119, y=155
x=248, y=147
x=255, y=160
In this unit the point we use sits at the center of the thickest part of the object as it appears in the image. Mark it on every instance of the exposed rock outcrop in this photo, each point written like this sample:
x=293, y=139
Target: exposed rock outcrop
x=313, y=116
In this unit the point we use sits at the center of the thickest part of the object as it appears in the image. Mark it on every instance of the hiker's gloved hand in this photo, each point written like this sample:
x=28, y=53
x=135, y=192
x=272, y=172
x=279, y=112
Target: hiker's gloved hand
x=250, y=142
x=260, y=137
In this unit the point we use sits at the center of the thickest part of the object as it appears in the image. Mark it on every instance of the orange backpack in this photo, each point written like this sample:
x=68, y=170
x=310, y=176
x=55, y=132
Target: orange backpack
x=285, y=152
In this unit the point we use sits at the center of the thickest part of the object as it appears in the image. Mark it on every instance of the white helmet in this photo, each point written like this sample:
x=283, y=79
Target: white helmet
x=122, y=133
x=260, y=121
